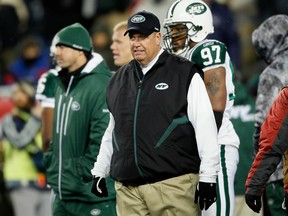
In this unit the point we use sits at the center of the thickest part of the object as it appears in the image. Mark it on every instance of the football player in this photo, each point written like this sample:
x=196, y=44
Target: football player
x=45, y=95
x=188, y=22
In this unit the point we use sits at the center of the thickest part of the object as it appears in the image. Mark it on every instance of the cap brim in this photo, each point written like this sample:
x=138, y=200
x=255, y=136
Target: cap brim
x=138, y=29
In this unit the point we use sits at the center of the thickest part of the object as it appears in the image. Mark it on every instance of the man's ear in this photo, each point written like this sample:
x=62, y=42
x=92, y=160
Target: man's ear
x=159, y=37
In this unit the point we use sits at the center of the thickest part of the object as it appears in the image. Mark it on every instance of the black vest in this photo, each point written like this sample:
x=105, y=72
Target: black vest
x=153, y=139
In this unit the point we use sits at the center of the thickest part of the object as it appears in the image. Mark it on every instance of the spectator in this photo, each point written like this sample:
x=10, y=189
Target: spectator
x=101, y=39
x=271, y=42
x=273, y=144
x=23, y=168
x=121, y=54
x=32, y=62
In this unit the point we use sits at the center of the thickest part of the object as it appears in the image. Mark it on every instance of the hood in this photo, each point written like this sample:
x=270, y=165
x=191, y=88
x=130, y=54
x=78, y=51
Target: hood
x=270, y=38
x=92, y=63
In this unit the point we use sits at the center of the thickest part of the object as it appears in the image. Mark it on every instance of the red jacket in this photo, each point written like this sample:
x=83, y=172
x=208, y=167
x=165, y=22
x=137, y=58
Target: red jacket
x=273, y=144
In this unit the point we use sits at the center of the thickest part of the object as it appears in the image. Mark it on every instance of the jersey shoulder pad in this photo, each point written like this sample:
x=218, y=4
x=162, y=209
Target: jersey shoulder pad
x=47, y=84
x=209, y=53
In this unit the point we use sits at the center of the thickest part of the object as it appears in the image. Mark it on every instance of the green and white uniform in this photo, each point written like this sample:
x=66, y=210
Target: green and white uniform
x=210, y=54
x=46, y=87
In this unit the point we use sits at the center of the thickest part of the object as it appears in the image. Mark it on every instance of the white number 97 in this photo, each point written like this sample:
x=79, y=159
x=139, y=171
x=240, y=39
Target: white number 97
x=208, y=53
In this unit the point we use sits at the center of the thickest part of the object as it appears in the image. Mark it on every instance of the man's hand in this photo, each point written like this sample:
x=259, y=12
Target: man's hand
x=99, y=187
x=206, y=193
x=285, y=203
x=254, y=202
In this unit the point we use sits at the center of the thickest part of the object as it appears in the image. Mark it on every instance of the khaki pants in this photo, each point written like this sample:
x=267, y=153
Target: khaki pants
x=171, y=197
x=241, y=208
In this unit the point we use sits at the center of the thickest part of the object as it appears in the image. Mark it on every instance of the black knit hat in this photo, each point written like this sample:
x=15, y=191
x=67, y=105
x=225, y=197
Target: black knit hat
x=143, y=22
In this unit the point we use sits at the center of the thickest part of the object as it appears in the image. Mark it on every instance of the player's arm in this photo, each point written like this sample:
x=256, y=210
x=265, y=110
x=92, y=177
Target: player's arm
x=211, y=57
x=44, y=112
x=47, y=126
x=45, y=94
x=215, y=81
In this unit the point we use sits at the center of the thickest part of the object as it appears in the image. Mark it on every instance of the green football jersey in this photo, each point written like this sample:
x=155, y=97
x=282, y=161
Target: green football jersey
x=46, y=87
x=210, y=54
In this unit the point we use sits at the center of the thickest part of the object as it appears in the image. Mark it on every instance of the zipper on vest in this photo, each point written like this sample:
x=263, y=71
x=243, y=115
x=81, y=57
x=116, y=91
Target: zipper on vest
x=139, y=86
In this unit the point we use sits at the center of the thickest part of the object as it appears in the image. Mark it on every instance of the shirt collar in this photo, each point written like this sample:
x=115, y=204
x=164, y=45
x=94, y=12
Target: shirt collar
x=147, y=67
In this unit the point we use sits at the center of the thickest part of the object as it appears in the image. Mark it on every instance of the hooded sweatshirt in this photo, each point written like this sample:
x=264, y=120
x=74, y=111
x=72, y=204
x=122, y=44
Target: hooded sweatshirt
x=80, y=119
x=271, y=42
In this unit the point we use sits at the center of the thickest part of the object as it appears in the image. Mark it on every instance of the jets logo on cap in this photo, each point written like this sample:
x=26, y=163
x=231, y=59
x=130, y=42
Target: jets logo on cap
x=138, y=19
x=196, y=8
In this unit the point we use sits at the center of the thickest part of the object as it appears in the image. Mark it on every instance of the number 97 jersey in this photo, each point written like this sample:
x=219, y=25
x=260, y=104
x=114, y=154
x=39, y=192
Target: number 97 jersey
x=211, y=54
x=46, y=87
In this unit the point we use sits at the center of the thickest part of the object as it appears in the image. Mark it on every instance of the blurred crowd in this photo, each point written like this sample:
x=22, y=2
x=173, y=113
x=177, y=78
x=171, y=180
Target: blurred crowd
x=28, y=26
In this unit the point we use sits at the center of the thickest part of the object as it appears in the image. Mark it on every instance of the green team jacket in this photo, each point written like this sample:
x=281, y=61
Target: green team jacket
x=80, y=120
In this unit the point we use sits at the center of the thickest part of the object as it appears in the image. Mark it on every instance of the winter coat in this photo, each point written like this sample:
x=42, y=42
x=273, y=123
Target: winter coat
x=273, y=144
x=80, y=119
x=271, y=42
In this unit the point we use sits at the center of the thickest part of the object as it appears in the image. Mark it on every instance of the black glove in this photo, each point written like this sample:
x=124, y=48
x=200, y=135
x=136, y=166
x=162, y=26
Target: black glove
x=254, y=202
x=206, y=193
x=99, y=187
x=285, y=203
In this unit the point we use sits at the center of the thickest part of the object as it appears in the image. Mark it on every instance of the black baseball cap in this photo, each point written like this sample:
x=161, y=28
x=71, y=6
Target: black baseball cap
x=143, y=22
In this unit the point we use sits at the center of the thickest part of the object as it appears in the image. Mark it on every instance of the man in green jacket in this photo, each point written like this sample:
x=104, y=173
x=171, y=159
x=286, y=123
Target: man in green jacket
x=80, y=119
